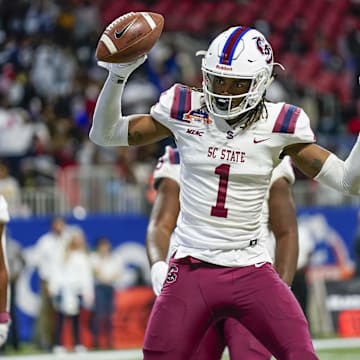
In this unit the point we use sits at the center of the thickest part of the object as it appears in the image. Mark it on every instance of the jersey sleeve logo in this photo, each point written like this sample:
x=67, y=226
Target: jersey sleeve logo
x=197, y=116
x=286, y=120
x=181, y=102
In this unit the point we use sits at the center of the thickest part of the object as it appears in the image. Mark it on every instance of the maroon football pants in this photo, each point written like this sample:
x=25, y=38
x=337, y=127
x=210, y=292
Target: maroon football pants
x=197, y=294
x=241, y=343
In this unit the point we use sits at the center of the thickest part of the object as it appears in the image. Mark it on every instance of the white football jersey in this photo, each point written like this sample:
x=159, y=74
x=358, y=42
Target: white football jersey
x=224, y=174
x=168, y=166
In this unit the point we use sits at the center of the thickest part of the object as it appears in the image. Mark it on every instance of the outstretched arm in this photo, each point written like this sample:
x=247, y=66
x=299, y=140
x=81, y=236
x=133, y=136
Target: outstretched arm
x=283, y=223
x=162, y=223
x=325, y=167
x=110, y=127
x=3, y=273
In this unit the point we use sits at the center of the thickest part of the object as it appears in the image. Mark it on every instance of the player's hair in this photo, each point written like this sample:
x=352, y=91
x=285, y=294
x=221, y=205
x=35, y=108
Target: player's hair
x=253, y=115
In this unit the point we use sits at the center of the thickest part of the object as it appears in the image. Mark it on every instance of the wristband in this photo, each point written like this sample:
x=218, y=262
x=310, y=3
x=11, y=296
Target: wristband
x=4, y=317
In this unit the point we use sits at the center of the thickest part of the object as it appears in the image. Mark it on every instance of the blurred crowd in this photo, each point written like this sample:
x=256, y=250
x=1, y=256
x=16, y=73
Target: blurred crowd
x=49, y=79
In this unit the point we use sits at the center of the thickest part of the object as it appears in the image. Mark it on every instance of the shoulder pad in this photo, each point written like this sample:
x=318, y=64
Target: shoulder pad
x=286, y=120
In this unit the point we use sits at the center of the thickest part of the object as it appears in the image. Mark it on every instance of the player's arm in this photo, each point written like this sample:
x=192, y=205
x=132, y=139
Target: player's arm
x=162, y=223
x=325, y=167
x=162, y=220
x=3, y=274
x=283, y=223
x=110, y=127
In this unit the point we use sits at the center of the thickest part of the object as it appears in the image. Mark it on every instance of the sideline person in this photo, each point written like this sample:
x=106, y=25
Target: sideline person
x=5, y=320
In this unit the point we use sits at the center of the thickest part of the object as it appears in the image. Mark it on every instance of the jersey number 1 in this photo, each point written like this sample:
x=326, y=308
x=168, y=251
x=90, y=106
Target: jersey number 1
x=219, y=209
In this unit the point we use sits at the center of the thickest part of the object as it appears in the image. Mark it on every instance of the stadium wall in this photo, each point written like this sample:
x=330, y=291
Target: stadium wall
x=331, y=229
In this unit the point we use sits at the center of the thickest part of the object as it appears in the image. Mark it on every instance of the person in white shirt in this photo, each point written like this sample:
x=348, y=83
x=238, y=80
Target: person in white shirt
x=49, y=247
x=16, y=264
x=230, y=139
x=71, y=287
x=4, y=275
x=106, y=271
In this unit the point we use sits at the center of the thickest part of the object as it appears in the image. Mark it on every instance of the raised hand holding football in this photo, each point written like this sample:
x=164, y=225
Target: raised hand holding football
x=130, y=36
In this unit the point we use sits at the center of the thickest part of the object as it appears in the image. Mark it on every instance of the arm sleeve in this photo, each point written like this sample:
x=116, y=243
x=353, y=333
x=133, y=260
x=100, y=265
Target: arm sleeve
x=109, y=127
x=341, y=175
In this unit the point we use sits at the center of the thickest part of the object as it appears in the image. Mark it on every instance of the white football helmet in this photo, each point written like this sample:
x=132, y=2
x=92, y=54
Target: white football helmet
x=242, y=53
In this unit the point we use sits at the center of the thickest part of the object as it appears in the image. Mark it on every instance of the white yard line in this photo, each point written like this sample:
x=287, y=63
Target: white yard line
x=136, y=354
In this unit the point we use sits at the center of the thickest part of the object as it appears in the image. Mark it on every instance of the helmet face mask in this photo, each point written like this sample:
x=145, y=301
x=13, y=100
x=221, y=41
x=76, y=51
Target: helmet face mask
x=243, y=55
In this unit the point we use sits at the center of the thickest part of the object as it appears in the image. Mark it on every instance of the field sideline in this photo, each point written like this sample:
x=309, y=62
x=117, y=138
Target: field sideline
x=327, y=349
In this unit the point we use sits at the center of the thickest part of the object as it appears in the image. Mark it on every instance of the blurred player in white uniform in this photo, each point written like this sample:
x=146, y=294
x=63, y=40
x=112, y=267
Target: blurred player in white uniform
x=230, y=139
x=4, y=275
x=241, y=343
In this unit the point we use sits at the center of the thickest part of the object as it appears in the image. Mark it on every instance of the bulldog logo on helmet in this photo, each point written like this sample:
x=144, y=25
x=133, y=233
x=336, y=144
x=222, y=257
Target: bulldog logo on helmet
x=265, y=49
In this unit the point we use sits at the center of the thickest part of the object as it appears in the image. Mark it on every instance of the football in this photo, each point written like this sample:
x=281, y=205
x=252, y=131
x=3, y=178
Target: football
x=129, y=37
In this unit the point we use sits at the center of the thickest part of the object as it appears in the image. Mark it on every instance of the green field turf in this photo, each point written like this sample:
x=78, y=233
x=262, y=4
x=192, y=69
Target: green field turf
x=29, y=353
x=339, y=354
x=333, y=354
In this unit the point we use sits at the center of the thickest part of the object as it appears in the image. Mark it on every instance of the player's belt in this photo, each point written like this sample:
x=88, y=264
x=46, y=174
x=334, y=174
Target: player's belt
x=192, y=260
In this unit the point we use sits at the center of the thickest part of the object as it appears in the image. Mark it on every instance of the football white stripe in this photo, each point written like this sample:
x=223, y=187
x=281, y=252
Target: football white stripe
x=108, y=43
x=149, y=20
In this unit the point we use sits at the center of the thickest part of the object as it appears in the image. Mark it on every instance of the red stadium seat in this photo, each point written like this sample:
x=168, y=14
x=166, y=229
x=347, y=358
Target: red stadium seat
x=176, y=19
x=307, y=69
x=325, y=82
x=344, y=87
x=224, y=13
x=271, y=13
x=276, y=41
x=162, y=7
x=200, y=20
x=116, y=8
x=290, y=61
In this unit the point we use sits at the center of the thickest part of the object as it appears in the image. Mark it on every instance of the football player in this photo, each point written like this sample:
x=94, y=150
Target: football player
x=282, y=223
x=4, y=275
x=229, y=139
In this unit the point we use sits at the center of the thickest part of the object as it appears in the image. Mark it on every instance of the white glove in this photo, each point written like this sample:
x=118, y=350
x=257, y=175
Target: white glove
x=122, y=70
x=4, y=329
x=158, y=275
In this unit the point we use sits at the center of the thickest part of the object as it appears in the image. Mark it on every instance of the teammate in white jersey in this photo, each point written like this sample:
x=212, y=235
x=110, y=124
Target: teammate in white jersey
x=229, y=139
x=4, y=275
x=241, y=343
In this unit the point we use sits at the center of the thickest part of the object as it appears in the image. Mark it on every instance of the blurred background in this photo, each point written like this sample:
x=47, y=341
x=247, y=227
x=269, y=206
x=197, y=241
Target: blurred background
x=49, y=83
